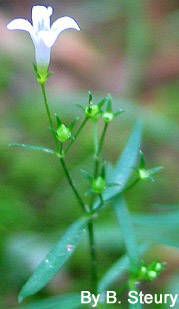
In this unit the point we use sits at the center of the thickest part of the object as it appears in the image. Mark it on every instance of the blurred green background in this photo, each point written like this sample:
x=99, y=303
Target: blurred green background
x=129, y=49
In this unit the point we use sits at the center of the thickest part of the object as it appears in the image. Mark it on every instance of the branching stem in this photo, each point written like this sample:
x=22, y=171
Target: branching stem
x=94, y=269
x=62, y=160
x=76, y=134
x=99, y=149
x=78, y=197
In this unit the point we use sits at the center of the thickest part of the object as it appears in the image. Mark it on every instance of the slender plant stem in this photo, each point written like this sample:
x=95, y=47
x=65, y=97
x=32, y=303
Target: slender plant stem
x=94, y=268
x=132, y=184
x=76, y=134
x=99, y=149
x=101, y=200
x=48, y=113
x=78, y=197
x=72, y=184
x=69, y=178
x=94, y=272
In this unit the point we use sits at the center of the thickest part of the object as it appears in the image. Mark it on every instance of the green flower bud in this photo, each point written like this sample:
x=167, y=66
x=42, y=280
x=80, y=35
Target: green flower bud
x=144, y=174
x=152, y=275
x=99, y=185
x=143, y=272
x=159, y=267
x=63, y=133
x=108, y=117
x=92, y=112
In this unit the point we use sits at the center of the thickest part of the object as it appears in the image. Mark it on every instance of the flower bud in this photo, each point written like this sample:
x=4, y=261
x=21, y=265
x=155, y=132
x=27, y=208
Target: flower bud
x=99, y=185
x=149, y=173
x=63, y=133
x=143, y=173
x=143, y=272
x=108, y=117
x=158, y=267
x=152, y=274
x=92, y=112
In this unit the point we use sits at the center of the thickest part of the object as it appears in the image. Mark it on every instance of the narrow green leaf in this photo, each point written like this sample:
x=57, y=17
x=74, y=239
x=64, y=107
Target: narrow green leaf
x=166, y=223
x=165, y=219
x=126, y=226
x=117, y=271
x=126, y=164
x=55, y=259
x=32, y=148
x=121, y=173
x=69, y=301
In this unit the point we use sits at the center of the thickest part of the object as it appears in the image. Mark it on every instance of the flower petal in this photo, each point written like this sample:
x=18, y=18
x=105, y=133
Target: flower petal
x=41, y=18
x=60, y=25
x=42, y=54
x=47, y=37
x=20, y=24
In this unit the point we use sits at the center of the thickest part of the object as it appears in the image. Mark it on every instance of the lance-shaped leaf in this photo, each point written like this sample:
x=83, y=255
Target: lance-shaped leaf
x=32, y=148
x=166, y=222
x=55, y=259
x=127, y=230
x=125, y=167
x=117, y=271
x=68, y=301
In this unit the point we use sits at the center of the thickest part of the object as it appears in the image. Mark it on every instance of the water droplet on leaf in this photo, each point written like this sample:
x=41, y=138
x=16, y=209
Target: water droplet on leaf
x=70, y=248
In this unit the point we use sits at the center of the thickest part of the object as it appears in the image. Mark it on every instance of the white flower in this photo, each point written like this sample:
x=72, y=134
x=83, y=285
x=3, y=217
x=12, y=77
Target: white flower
x=42, y=33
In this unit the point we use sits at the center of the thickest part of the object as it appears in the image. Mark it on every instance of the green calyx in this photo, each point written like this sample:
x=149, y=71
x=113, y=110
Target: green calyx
x=149, y=173
x=99, y=185
x=93, y=112
x=108, y=117
x=63, y=133
x=150, y=272
x=143, y=173
x=42, y=74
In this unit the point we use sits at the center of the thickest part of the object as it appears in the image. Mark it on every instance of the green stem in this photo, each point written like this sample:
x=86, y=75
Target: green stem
x=94, y=273
x=72, y=185
x=94, y=270
x=76, y=134
x=78, y=197
x=101, y=200
x=48, y=113
x=99, y=149
x=57, y=149
x=132, y=184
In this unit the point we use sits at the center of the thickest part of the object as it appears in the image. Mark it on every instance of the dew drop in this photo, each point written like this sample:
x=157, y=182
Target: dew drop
x=70, y=248
x=49, y=264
